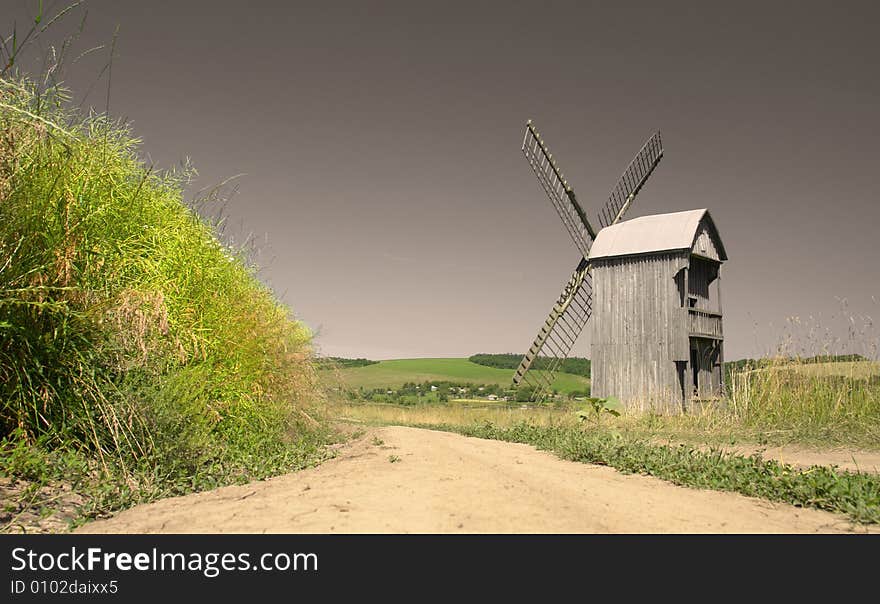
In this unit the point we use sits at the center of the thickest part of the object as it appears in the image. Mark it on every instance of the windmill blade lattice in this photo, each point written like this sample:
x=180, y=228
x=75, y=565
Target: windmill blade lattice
x=633, y=179
x=572, y=310
x=555, y=186
x=557, y=336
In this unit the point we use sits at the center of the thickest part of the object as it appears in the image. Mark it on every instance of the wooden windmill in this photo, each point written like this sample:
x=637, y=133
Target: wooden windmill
x=657, y=337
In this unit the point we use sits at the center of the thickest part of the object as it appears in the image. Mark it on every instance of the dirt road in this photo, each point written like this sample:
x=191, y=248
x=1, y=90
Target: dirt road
x=419, y=481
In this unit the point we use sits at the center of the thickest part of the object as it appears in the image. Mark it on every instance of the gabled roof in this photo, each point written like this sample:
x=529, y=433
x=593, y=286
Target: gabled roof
x=657, y=233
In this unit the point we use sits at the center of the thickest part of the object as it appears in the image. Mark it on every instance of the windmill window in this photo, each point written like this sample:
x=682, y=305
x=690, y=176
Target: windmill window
x=692, y=301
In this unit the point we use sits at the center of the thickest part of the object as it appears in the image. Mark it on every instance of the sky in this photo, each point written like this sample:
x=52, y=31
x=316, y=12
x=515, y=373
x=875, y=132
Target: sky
x=376, y=151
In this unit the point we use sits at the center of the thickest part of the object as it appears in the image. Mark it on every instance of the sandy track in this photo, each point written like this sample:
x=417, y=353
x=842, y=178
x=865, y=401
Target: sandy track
x=803, y=458
x=446, y=483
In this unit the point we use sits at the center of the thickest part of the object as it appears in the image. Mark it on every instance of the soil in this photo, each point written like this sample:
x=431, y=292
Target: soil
x=804, y=457
x=407, y=480
x=26, y=507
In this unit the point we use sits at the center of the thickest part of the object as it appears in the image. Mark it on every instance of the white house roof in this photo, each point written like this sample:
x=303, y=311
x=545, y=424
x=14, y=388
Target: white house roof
x=657, y=233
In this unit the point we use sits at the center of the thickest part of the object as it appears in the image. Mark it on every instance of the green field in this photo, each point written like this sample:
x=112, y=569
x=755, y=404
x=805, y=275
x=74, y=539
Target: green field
x=395, y=373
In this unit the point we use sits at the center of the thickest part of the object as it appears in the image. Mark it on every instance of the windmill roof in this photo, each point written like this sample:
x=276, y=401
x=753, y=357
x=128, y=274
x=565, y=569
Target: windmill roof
x=657, y=233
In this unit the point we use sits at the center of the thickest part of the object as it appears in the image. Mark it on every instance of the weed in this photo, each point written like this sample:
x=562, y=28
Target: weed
x=598, y=406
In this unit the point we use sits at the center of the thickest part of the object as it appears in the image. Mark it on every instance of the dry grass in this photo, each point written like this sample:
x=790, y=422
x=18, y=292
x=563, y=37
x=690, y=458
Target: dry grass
x=459, y=415
x=860, y=370
x=706, y=427
x=787, y=397
x=783, y=402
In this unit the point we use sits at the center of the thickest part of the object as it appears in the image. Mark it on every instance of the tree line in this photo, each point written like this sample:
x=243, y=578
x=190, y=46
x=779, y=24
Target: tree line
x=574, y=365
x=341, y=363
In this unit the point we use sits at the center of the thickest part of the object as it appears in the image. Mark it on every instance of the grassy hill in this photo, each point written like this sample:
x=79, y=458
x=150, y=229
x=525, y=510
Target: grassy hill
x=395, y=373
x=139, y=356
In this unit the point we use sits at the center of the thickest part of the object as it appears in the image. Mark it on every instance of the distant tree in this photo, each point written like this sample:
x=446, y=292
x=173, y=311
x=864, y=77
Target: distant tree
x=574, y=365
x=340, y=362
x=525, y=394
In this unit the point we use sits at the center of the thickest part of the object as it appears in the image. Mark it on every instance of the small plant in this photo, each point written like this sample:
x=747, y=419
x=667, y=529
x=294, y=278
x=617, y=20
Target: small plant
x=598, y=406
x=378, y=442
x=393, y=458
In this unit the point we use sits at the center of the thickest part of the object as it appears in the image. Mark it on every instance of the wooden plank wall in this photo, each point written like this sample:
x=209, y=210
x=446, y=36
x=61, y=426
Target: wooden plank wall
x=639, y=330
x=710, y=370
x=700, y=274
x=704, y=243
x=704, y=323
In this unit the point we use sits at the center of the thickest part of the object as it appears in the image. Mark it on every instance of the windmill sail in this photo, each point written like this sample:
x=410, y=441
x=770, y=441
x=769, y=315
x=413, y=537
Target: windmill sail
x=634, y=178
x=558, y=334
x=572, y=310
x=555, y=186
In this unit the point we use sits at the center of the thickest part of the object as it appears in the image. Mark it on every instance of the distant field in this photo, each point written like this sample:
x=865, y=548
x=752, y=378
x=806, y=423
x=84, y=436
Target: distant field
x=859, y=370
x=853, y=369
x=395, y=373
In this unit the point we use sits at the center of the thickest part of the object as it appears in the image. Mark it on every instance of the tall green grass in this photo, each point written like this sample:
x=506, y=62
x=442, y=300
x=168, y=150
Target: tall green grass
x=821, y=384
x=128, y=332
x=788, y=396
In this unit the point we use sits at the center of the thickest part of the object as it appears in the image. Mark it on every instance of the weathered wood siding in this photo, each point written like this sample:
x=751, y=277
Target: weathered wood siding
x=704, y=323
x=644, y=326
x=705, y=242
x=709, y=352
x=640, y=328
x=701, y=273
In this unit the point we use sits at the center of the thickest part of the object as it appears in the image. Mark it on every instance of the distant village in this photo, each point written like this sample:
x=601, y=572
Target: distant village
x=443, y=392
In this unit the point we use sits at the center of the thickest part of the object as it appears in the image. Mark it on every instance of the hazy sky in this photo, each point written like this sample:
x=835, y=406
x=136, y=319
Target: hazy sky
x=380, y=144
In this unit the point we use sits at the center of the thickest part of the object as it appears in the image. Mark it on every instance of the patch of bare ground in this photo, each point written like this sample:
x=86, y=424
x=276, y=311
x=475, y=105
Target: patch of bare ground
x=801, y=457
x=407, y=480
x=851, y=460
x=26, y=507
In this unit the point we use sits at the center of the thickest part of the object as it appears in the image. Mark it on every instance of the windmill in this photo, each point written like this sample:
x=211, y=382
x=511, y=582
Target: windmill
x=573, y=308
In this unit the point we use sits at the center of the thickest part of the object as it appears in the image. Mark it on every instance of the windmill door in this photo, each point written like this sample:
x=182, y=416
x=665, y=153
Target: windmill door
x=705, y=368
